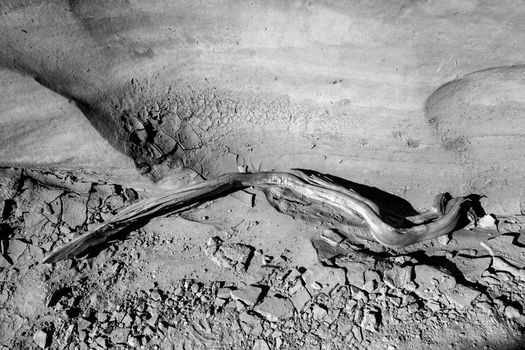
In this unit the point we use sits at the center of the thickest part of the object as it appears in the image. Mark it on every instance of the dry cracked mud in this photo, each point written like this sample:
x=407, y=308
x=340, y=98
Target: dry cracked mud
x=231, y=275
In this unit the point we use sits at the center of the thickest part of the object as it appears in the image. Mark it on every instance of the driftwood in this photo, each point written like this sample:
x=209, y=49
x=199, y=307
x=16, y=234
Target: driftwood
x=440, y=220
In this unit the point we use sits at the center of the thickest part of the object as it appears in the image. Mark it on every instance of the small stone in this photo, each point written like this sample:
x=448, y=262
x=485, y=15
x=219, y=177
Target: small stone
x=275, y=308
x=300, y=297
x=319, y=312
x=260, y=344
x=114, y=202
x=127, y=321
x=16, y=249
x=134, y=342
x=434, y=305
x=74, y=210
x=155, y=295
x=443, y=240
x=119, y=335
x=487, y=222
x=327, y=277
x=248, y=295
x=82, y=324
x=101, y=341
x=511, y=312
x=370, y=321
x=355, y=274
x=356, y=331
x=40, y=338
x=102, y=316
x=250, y=324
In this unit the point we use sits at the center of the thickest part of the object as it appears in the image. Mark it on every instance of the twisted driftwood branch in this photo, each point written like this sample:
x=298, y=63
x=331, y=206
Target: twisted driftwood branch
x=440, y=220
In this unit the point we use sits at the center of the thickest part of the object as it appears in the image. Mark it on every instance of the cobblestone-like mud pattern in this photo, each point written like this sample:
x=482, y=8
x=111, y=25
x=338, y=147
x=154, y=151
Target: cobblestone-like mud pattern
x=216, y=278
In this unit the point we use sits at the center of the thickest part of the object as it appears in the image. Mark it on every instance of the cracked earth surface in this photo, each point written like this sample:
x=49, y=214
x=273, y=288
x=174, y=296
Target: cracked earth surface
x=235, y=273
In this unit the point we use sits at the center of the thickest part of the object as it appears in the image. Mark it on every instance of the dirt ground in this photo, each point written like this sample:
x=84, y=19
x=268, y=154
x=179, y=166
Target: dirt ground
x=236, y=274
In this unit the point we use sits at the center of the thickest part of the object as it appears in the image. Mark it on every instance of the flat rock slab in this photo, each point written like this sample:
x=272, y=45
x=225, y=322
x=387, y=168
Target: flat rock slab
x=275, y=308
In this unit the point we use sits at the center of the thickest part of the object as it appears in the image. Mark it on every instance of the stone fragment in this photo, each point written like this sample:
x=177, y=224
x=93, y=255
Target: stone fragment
x=224, y=293
x=114, y=202
x=433, y=305
x=275, y=308
x=250, y=324
x=461, y=296
x=82, y=324
x=299, y=296
x=119, y=335
x=260, y=344
x=155, y=295
x=248, y=295
x=134, y=342
x=102, y=316
x=319, y=312
x=355, y=274
x=332, y=237
x=16, y=249
x=487, y=222
x=370, y=320
x=358, y=335
x=127, y=321
x=41, y=339
x=74, y=210
x=67, y=336
x=101, y=342
x=511, y=312
x=443, y=240
x=326, y=277
x=234, y=255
